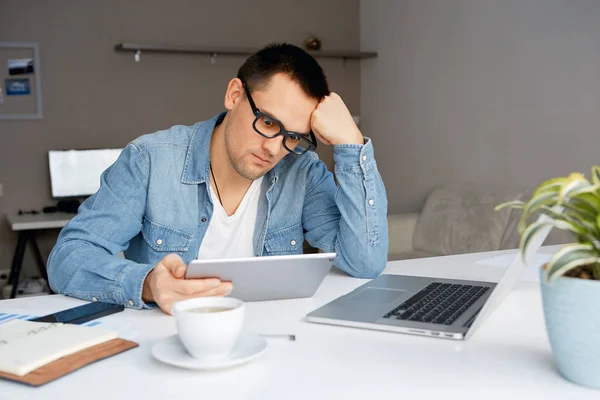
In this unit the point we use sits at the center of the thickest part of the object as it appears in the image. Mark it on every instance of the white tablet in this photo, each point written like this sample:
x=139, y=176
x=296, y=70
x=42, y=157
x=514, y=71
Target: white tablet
x=267, y=278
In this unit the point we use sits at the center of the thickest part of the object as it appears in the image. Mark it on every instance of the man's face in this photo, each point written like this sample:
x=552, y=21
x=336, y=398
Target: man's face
x=251, y=154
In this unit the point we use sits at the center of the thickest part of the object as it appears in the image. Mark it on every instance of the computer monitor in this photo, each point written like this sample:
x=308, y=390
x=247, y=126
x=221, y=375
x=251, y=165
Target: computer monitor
x=76, y=173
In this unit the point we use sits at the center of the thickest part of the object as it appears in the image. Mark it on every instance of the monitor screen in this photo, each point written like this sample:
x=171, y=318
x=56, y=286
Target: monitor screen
x=76, y=173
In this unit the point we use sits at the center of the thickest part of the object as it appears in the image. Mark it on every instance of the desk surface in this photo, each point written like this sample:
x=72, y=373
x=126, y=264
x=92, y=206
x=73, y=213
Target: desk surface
x=509, y=357
x=38, y=221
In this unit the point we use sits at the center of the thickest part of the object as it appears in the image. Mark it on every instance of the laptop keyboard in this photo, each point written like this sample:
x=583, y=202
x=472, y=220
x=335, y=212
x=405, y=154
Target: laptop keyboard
x=438, y=303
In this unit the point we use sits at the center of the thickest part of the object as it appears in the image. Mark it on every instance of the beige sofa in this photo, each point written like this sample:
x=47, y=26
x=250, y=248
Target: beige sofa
x=460, y=218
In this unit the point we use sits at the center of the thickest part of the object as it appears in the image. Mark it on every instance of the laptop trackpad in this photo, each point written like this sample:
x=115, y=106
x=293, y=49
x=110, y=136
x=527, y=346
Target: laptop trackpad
x=378, y=295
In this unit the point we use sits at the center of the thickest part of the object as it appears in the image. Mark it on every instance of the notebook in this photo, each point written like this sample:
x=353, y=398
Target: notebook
x=26, y=345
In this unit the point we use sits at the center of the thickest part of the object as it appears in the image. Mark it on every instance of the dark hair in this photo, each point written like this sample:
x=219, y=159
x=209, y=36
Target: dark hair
x=288, y=59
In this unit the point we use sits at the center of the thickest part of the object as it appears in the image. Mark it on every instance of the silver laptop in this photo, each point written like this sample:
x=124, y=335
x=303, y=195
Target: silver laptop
x=446, y=308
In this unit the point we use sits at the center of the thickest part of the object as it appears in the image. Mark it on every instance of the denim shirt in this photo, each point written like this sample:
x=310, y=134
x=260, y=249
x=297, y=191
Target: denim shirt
x=154, y=200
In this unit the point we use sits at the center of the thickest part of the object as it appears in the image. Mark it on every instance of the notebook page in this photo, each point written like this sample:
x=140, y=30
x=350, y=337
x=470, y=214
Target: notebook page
x=25, y=353
x=15, y=329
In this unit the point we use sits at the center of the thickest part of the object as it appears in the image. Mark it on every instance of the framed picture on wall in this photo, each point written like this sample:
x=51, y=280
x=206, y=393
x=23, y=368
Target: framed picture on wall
x=20, y=81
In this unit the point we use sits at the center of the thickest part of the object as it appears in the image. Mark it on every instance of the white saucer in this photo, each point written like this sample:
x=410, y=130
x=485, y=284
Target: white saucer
x=171, y=351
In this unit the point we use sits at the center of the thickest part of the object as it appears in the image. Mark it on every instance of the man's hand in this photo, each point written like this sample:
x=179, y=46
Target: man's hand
x=165, y=285
x=332, y=123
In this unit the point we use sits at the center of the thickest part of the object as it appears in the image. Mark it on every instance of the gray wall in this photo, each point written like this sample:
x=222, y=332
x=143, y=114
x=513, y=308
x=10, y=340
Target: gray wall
x=95, y=97
x=498, y=91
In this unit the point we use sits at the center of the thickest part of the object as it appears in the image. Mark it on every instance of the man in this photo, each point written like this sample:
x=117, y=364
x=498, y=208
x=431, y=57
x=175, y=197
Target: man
x=243, y=183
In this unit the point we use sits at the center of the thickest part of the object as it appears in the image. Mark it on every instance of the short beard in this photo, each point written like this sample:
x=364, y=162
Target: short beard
x=238, y=164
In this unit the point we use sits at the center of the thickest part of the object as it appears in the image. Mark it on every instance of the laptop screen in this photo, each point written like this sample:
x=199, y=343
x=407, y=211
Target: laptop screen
x=76, y=173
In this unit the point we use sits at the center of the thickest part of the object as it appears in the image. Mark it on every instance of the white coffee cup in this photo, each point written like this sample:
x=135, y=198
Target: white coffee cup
x=209, y=327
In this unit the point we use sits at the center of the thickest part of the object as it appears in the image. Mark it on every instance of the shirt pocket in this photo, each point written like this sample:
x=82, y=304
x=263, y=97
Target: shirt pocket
x=286, y=241
x=163, y=238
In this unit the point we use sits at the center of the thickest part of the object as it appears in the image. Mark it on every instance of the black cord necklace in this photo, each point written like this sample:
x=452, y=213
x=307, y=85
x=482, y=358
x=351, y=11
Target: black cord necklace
x=216, y=186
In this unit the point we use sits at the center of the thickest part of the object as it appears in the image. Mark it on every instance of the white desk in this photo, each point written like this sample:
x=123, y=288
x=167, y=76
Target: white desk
x=27, y=225
x=508, y=358
x=38, y=221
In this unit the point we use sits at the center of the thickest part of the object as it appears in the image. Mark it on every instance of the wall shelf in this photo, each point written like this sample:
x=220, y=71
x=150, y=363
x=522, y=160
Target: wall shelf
x=215, y=51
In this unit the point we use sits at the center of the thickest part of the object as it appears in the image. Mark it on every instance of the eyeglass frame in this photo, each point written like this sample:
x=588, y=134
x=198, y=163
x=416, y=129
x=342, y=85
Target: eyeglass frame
x=282, y=131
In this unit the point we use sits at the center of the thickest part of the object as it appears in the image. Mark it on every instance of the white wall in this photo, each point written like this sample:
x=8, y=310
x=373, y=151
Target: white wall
x=500, y=91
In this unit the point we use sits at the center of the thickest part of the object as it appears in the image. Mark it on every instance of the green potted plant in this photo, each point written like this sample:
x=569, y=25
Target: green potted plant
x=570, y=282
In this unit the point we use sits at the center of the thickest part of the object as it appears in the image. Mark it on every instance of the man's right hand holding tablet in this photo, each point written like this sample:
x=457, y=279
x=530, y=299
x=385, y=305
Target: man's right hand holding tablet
x=165, y=284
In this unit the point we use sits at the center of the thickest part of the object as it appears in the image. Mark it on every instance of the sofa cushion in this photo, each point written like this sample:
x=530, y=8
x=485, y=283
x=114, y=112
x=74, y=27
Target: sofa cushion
x=401, y=228
x=460, y=218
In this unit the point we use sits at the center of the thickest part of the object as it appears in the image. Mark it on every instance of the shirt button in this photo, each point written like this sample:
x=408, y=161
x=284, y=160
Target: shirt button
x=371, y=202
x=364, y=158
x=159, y=242
x=203, y=219
x=94, y=299
x=130, y=302
x=293, y=242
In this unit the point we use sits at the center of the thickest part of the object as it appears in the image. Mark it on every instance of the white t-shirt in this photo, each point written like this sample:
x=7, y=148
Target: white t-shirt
x=232, y=236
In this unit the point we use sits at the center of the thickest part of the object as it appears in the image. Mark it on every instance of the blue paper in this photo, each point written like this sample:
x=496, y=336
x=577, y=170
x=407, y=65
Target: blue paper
x=17, y=87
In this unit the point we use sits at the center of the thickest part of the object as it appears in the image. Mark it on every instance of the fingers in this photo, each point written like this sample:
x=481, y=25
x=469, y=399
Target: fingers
x=315, y=130
x=168, y=299
x=192, y=286
x=174, y=263
x=332, y=122
x=224, y=289
x=315, y=123
x=168, y=286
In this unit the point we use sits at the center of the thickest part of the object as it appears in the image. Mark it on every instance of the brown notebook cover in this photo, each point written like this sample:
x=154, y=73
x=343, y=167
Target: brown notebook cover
x=72, y=362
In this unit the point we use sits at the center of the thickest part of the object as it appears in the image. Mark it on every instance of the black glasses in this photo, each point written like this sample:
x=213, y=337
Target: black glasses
x=269, y=127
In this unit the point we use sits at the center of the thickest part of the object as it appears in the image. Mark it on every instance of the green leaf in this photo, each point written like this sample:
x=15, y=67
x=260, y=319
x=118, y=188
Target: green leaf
x=581, y=228
x=570, y=213
x=596, y=271
x=510, y=204
x=535, y=227
x=537, y=201
x=569, y=257
x=582, y=207
x=575, y=182
x=596, y=174
x=570, y=217
x=552, y=185
x=534, y=204
x=590, y=199
x=586, y=221
x=592, y=189
x=591, y=232
x=588, y=230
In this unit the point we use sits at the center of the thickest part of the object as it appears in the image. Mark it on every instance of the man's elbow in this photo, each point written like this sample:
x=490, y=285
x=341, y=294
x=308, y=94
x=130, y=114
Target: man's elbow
x=368, y=273
x=55, y=267
x=367, y=268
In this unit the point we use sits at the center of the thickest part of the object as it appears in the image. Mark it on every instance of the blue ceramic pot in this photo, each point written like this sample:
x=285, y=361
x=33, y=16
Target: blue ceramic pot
x=572, y=314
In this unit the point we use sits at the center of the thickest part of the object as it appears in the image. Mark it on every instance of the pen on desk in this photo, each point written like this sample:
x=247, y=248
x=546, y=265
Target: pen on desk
x=291, y=338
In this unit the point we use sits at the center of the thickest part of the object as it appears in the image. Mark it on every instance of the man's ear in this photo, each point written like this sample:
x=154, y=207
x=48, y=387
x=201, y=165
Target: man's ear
x=234, y=93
